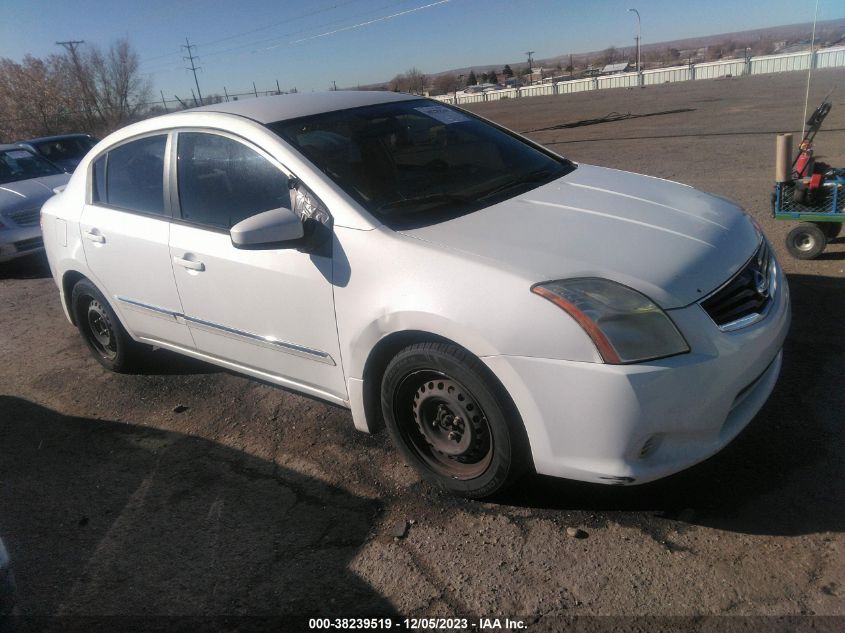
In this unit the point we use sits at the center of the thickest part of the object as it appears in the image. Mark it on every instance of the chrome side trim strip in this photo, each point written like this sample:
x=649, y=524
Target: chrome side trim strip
x=249, y=337
x=265, y=341
x=251, y=371
x=149, y=308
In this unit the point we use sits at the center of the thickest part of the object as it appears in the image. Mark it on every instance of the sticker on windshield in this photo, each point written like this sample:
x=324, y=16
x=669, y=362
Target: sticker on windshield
x=442, y=114
x=18, y=154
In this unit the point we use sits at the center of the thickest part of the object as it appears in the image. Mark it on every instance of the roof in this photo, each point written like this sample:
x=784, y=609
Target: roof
x=58, y=137
x=616, y=68
x=291, y=106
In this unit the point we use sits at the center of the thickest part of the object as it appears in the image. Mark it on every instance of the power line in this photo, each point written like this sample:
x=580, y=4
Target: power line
x=191, y=57
x=373, y=21
x=274, y=38
x=337, y=5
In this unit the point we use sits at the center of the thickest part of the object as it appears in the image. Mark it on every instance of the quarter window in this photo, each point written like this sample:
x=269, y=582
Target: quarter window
x=135, y=176
x=98, y=187
x=222, y=181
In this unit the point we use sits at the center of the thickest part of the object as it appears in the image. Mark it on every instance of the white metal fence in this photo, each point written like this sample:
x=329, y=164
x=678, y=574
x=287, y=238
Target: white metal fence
x=825, y=58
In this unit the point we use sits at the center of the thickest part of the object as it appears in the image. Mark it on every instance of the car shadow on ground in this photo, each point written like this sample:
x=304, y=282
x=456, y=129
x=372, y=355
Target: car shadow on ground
x=781, y=476
x=114, y=518
x=33, y=266
x=162, y=362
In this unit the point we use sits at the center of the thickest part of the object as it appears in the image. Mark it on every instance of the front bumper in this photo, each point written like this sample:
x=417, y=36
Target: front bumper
x=630, y=424
x=20, y=241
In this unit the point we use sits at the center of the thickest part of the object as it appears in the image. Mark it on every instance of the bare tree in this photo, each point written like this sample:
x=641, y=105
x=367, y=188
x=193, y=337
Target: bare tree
x=82, y=90
x=416, y=81
x=118, y=89
x=444, y=84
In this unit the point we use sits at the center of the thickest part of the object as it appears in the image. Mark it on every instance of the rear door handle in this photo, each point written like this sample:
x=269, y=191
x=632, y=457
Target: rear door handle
x=190, y=264
x=95, y=236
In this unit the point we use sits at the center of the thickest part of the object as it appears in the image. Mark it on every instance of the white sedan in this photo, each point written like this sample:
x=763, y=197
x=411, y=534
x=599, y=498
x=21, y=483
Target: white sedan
x=498, y=307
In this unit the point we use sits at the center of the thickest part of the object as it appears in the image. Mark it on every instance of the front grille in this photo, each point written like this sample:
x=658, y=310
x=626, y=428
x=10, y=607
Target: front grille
x=29, y=245
x=746, y=297
x=30, y=217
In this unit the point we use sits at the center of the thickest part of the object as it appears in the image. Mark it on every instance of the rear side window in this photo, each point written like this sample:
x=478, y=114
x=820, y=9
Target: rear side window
x=222, y=181
x=135, y=176
x=98, y=186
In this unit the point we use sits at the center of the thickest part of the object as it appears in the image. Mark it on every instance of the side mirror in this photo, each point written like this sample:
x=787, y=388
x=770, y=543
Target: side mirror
x=276, y=228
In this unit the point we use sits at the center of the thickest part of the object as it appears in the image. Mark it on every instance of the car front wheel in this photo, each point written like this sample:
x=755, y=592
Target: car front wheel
x=452, y=422
x=108, y=341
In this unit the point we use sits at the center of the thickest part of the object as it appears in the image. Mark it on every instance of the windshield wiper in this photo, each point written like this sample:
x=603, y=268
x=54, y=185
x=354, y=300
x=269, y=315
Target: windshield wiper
x=531, y=177
x=434, y=198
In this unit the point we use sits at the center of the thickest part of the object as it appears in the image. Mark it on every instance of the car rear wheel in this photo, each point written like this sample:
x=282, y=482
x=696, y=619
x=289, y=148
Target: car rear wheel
x=806, y=241
x=452, y=422
x=101, y=330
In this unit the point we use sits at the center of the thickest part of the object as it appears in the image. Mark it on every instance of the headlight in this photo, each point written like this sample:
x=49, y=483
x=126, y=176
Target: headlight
x=625, y=325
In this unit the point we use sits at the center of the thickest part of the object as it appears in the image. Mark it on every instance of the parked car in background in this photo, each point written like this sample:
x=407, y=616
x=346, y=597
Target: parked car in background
x=65, y=150
x=499, y=307
x=26, y=182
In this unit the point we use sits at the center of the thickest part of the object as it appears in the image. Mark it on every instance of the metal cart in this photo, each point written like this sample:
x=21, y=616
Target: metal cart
x=820, y=209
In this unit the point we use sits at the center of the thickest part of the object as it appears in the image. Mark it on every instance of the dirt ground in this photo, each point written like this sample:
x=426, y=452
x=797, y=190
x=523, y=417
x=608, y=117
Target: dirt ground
x=252, y=500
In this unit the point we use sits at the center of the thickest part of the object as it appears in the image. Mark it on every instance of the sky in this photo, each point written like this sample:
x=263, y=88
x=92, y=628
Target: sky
x=309, y=45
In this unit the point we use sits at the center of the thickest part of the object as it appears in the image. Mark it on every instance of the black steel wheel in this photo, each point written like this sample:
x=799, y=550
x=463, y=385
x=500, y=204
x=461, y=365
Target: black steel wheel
x=806, y=241
x=452, y=421
x=831, y=230
x=101, y=330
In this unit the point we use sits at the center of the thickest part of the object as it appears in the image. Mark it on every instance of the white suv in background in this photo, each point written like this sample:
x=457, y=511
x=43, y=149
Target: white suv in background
x=498, y=307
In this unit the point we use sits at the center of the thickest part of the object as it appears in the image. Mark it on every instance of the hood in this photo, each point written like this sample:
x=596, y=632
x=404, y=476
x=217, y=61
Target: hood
x=671, y=242
x=29, y=194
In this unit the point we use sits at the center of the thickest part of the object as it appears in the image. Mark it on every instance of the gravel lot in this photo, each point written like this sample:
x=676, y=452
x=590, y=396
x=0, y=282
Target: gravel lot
x=253, y=500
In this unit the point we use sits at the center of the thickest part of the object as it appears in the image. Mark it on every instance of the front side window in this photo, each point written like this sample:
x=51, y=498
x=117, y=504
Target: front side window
x=135, y=176
x=418, y=160
x=222, y=181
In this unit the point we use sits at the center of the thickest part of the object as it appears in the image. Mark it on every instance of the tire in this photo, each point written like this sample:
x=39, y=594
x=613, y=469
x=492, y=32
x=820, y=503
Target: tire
x=102, y=331
x=452, y=421
x=806, y=241
x=831, y=230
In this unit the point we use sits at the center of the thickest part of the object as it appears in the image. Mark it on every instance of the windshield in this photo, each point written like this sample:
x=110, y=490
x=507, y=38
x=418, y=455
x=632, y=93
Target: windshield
x=21, y=164
x=419, y=160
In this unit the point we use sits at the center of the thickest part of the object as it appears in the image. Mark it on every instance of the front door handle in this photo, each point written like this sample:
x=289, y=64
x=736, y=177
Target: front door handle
x=95, y=236
x=189, y=264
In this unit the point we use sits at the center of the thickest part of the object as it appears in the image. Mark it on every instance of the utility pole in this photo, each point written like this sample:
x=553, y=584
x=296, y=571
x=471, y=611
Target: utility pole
x=194, y=68
x=163, y=102
x=88, y=99
x=639, y=37
x=530, y=65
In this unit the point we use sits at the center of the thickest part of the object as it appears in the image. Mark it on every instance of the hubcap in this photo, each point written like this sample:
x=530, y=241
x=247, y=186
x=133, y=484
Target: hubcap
x=805, y=242
x=444, y=425
x=100, y=330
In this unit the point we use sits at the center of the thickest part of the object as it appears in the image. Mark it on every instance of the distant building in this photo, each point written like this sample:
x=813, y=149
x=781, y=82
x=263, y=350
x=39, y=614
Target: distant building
x=622, y=67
